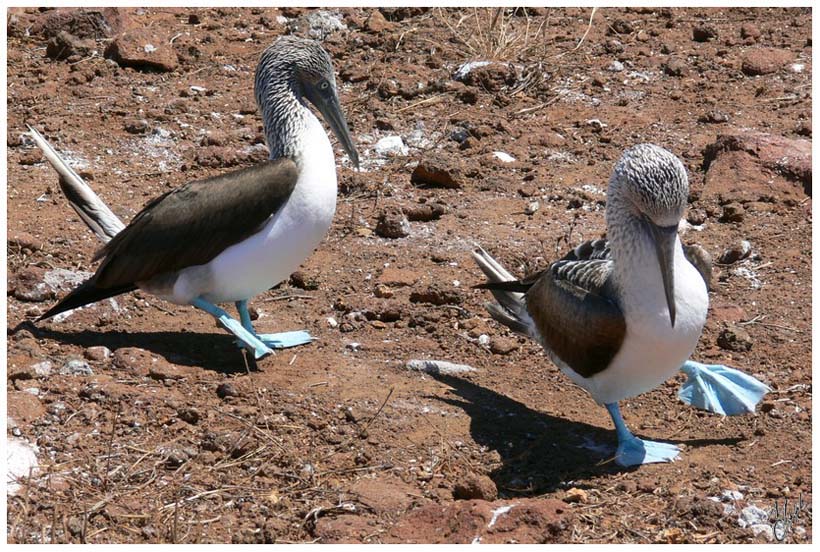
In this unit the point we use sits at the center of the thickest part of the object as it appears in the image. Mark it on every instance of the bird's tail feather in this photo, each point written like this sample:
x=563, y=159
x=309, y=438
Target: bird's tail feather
x=84, y=294
x=88, y=205
x=511, y=308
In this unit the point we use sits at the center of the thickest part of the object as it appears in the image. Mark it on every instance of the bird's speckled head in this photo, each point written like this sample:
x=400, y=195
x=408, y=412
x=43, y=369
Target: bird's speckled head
x=651, y=180
x=292, y=72
x=300, y=61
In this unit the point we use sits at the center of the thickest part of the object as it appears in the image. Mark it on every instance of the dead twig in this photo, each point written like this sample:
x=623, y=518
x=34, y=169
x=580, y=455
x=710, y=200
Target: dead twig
x=379, y=411
x=176, y=518
x=111, y=445
x=589, y=26
x=354, y=470
x=286, y=297
x=431, y=101
x=253, y=427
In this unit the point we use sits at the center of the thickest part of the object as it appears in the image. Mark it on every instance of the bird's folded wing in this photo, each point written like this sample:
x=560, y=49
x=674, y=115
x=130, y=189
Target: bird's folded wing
x=576, y=313
x=192, y=224
x=599, y=250
x=591, y=250
x=701, y=260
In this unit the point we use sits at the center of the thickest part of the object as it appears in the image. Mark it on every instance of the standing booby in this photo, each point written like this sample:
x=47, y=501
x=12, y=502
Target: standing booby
x=620, y=316
x=232, y=236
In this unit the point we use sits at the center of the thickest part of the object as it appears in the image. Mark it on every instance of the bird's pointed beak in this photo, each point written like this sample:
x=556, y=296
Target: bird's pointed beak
x=331, y=109
x=665, y=238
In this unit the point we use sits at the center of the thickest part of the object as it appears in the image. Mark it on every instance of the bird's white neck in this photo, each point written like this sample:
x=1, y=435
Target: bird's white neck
x=636, y=270
x=637, y=276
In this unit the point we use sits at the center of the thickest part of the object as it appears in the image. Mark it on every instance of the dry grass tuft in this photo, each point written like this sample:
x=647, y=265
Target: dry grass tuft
x=493, y=34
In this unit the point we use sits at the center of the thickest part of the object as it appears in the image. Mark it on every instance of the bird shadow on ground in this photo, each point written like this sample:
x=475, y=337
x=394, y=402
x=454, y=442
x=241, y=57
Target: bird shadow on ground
x=540, y=453
x=210, y=351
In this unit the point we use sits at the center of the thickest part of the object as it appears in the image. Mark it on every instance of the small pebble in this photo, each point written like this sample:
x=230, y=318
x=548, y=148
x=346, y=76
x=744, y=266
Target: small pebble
x=30, y=157
x=736, y=253
x=613, y=46
x=735, y=338
x=393, y=224
x=730, y=496
x=696, y=217
x=732, y=212
x=42, y=369
x=97, y=353
x=532, y=207
x=503, y=346
x=756, y=519
x=714, y=116
x=188, y=415
x=303, y=280
x=76, y=367
x=475, y=487
x=436, y=294
x=426, y=212
x=137, y=126
x=749, y=30
x=703, y=33
x=616, y=67
x=621, y=26
x=504, y=157
x=675, y=67
x=390, y=146
x=383, y=292
x=575, y=495
x=176, y=457
x=226, y=390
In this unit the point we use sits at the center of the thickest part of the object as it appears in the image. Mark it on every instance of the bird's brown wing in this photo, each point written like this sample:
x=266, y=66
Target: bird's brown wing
x=192, y=224
x=574, y=308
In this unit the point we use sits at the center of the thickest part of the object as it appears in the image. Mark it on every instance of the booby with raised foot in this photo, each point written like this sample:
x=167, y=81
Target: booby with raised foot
x=621, y=315
x=230, y=237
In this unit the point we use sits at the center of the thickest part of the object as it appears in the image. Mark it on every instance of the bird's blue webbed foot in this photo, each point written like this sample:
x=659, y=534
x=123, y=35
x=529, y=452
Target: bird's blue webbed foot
x=720, y=389
x=633, y=451
x=281, y=340
x=284, y=340
x=246, y=339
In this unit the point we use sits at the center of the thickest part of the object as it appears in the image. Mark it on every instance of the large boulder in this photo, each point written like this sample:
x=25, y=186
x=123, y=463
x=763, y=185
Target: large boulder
x=740, y=166
x=144, y=50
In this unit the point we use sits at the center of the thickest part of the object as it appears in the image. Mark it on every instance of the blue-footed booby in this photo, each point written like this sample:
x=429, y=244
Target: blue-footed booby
x=621, y=315
x=232, y=236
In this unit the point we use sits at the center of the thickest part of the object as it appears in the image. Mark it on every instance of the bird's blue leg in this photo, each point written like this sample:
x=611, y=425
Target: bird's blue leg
x=247, y=339
x=276, y=341
x=720, y=389
x=633, y=451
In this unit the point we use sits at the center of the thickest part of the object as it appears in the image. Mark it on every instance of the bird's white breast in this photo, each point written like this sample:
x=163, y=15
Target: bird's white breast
x=289, y=237
x=652, y=350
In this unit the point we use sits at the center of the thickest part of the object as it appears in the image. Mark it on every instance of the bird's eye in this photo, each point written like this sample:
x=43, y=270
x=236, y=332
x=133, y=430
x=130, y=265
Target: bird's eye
x=324, y=85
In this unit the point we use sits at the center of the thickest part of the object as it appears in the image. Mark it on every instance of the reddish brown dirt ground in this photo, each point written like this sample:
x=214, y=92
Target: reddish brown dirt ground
x=337, y=441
